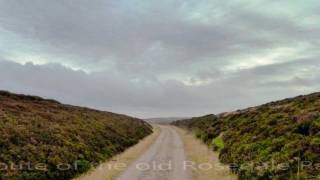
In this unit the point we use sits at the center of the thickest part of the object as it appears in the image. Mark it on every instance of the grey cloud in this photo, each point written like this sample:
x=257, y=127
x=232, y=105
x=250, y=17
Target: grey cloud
x=144, y=48
x=142, y=98
x=106, y=30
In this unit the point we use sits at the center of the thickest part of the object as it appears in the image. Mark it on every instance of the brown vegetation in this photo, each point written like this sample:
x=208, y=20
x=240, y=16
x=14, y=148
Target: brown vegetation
x=34, y=130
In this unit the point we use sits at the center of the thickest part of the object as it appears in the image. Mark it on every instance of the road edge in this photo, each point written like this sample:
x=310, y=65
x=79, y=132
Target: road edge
x=199, y=153
x=104, y=172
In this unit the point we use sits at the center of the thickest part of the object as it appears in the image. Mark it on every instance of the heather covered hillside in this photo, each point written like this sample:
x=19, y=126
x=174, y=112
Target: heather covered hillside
x=278, y=140
x=40, y=138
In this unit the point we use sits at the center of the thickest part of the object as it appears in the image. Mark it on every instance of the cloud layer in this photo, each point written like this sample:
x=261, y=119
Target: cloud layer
x=160, y=58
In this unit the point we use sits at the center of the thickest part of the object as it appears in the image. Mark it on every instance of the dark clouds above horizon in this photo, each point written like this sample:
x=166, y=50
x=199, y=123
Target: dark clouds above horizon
x=160, y=58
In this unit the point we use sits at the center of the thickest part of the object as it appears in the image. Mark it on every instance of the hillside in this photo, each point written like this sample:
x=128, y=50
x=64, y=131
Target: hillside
x=44, y=139
x=278, y=140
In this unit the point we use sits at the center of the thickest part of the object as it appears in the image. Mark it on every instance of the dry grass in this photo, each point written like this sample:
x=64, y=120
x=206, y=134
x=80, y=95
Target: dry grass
x=104, y=172
x=199, y=153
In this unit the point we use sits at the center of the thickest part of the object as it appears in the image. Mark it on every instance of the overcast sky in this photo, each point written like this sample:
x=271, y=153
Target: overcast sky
x=150, y=58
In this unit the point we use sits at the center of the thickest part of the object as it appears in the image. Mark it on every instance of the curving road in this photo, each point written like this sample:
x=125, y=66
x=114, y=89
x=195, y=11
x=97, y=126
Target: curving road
x=164, y=160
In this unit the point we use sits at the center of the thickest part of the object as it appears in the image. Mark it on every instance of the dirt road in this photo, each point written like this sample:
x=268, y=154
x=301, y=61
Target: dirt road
x=165, y=159
x=165, y=155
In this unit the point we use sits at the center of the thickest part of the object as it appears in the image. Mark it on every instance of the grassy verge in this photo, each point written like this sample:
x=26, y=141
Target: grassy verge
x=112, y=168
x=206, y=162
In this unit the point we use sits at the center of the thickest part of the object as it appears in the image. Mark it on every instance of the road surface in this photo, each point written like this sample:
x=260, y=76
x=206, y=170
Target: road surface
x=165, y=159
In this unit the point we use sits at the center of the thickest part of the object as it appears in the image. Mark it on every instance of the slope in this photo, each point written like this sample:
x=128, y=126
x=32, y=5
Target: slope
x=277, y=140
x=44, y=139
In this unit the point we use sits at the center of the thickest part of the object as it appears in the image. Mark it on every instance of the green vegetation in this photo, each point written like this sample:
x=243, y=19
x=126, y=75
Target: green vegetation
x=278, y=140
x=218, y=143
x=44, y=139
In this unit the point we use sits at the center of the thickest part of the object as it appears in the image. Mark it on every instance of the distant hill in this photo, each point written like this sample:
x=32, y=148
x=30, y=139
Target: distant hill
x=44, y=139
x=164, y=120
x=267, y=141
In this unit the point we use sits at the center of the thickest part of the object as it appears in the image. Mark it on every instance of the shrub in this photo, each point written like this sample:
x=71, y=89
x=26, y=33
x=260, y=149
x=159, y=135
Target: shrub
x=281, y=131
x=218, y=143
x=36, y=130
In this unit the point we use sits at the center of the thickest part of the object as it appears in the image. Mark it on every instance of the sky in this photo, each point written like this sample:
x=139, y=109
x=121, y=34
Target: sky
x=151, y=58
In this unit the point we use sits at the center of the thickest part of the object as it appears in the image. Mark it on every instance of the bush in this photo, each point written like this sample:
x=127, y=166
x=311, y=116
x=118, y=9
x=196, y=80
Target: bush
x=218, y=143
